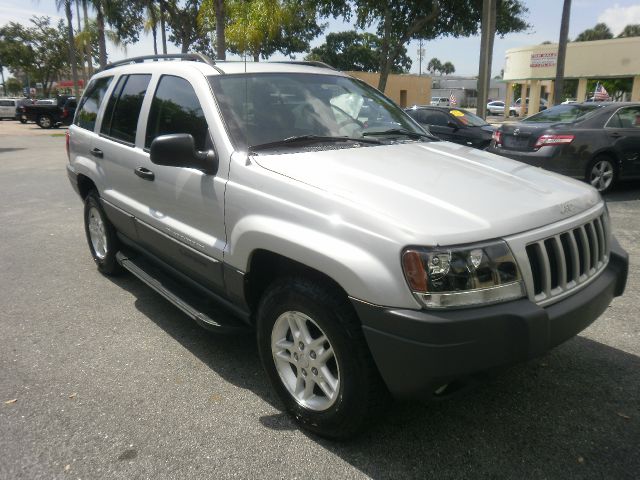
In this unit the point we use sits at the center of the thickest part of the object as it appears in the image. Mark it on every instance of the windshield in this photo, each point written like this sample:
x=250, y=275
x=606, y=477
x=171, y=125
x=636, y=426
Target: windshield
x=270, y=107
x=467, y=118
x=562, y=114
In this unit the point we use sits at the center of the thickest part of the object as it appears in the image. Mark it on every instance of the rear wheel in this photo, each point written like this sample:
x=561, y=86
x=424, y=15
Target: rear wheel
x=101, y=236
x=312, y=346
x=602, y=173
x=45, y=121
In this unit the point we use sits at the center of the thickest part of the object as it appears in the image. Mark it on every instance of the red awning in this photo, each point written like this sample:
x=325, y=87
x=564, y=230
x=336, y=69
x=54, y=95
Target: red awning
x=69, y=83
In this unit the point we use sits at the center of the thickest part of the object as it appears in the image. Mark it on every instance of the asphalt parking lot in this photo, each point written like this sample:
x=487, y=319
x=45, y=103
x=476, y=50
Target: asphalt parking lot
x=102, y=378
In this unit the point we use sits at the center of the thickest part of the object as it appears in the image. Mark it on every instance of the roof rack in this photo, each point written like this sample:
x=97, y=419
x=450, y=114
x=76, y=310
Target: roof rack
x=194, y=57
x=310, y=63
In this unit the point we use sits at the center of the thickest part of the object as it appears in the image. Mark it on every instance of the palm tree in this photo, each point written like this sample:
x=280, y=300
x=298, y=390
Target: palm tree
x=66, y=4
x=447, y=68
x=151, y=25
x=87, y=45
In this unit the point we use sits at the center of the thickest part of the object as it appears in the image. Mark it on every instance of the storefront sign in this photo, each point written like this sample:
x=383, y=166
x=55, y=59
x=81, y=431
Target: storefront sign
x=539, y=60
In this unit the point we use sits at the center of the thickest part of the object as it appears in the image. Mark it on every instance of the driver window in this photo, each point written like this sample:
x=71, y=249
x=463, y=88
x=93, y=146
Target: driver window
x=175, y=109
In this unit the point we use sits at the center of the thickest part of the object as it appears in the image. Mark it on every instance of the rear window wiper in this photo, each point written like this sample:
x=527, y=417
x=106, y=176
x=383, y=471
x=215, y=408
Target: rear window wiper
x=310, y=139
x=398, y=131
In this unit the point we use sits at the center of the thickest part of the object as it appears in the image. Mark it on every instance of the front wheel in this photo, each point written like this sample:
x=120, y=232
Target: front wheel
x=101, y=236
x=602, y=173
x=313, y=350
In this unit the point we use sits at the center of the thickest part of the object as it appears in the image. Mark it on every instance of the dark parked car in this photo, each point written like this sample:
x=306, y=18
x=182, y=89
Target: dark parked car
x=596, y=142
x=454, y=125
x=48, y=115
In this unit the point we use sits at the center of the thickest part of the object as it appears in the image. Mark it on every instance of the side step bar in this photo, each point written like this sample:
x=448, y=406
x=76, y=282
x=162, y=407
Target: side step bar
x=194, y=304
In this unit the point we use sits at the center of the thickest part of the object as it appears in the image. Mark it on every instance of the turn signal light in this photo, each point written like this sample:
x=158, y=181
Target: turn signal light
x=497, y=137
x=546, y=140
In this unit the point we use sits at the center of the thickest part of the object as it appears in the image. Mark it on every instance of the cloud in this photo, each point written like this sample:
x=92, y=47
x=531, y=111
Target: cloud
x=618, y=17
x=22, y=15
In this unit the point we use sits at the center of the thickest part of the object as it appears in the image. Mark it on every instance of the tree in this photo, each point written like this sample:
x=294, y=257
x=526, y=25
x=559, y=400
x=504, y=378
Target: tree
x=399, y=21
x=630, y=31
x=213, y=17
x=151, y=24
x=599, y=32
x=13, y=86
x=355, y=51
x=37, y=51
x=562, y=52
x=434, y=65
x=71, y=46
x=186, y=30
x=448, y=68
x=124, y=16
x=262, y=27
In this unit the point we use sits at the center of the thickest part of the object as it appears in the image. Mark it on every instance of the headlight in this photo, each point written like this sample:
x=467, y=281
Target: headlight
x=463, y=276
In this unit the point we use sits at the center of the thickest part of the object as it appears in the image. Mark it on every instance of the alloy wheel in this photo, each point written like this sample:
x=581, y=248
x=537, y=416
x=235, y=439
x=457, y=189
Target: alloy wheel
x=305, y=361
x=97, y=233
x=601, y=175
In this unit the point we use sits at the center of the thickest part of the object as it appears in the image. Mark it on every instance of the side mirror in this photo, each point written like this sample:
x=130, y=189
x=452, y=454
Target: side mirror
x=452, y=125
x=179, y=150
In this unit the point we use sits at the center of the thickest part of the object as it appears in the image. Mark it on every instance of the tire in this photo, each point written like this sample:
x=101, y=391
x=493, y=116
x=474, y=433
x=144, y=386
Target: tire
x=602, y=173
x=101, y=236
x=45, y=121
x=347, y=392
x=23, y=120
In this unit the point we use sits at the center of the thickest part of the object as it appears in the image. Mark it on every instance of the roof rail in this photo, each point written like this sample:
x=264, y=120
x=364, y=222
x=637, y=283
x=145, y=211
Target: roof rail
x=194, y=57
x=310, y=63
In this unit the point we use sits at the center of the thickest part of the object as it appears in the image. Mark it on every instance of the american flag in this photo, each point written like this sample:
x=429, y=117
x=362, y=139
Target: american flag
x=600, y=93
x=452, y=100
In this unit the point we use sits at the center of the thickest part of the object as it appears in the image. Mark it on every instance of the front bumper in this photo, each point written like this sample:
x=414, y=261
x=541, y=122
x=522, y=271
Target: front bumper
x=417, y=351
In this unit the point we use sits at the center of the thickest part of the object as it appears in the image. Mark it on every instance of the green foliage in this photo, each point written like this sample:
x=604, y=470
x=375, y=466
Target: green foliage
x=186, y=30
x=436, y=66
x=599, y=32
x=400, y=21
x=630, y=31
x=13, y=86
x=263, y=27
x=126, y=17
x=355, y=51
x=448, y=68
x=40, y=51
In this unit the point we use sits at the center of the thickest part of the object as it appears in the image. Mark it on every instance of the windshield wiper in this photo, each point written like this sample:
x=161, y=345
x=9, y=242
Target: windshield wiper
x=399, y=131
x=309, y=139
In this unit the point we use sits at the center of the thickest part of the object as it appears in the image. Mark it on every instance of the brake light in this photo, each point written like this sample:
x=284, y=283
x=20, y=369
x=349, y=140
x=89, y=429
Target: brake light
x=66, y=144
x=497, y=137
x=547, y=140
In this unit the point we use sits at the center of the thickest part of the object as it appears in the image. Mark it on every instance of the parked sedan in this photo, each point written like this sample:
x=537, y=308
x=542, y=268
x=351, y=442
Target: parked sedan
x=495, y=108
x=596, y=142
x=454, y=125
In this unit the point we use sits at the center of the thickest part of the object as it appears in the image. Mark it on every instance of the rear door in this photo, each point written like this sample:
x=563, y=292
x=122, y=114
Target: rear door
x=623, y=130
x=119, y=156
x=7, y=108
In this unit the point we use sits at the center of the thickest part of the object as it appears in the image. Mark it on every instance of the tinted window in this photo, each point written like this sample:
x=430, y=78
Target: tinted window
x=562, y=114
x=436, y=118
x=90, y=103
x=175, y=109
x=625, y=118
x=7, y=103
x=121, y=116
x=468, y=118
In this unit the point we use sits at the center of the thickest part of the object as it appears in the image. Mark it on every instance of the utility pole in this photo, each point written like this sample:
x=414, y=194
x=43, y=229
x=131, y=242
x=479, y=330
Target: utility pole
x=558, y=86
x=420, y=55
x=488, y=30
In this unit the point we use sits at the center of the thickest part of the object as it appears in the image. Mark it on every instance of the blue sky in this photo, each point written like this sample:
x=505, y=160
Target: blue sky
x=543, y=16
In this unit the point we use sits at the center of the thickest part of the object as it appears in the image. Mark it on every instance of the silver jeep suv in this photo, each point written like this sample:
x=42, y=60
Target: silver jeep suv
x=371, y=259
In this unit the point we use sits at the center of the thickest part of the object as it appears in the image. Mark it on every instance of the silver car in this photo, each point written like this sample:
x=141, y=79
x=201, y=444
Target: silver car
x=372, y=260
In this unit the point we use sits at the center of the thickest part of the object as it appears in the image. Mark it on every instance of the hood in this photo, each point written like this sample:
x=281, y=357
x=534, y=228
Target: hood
x=438, y=192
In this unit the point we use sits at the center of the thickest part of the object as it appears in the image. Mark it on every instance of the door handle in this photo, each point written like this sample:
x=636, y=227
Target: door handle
x=145, y=173
x=615, y=134
x=96, y=152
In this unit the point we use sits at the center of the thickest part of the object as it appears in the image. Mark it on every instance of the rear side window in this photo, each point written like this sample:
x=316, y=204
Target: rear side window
x=436, y=118
x=90, y=103
x=625, y=118
x=7, y=103
x=175, y=109
x=121, y=115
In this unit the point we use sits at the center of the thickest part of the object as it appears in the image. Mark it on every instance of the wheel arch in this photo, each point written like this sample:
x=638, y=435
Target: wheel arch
x=85, y=185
